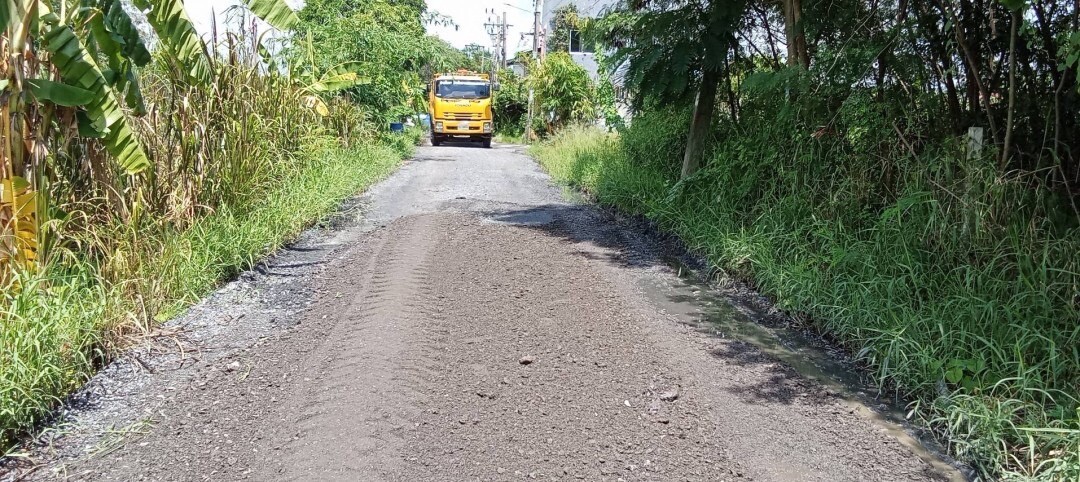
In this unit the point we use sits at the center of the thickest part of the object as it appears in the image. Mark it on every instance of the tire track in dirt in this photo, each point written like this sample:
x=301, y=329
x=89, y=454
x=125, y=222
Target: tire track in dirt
x=355, y=398
x=328, y=399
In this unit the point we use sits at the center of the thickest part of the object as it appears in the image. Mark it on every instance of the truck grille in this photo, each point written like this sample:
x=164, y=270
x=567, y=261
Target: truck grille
x=461, y=115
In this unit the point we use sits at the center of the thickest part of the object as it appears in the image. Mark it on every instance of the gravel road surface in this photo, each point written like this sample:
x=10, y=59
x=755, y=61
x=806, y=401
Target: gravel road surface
x=469, y=323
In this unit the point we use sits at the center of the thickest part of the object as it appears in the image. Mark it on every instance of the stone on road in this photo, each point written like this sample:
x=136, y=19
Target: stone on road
x=480, y=327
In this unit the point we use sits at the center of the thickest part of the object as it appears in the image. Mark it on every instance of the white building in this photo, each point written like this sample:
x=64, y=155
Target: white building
x=581, y=53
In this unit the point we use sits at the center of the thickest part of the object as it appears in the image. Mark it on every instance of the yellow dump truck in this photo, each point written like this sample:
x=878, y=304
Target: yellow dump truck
x=460, y=107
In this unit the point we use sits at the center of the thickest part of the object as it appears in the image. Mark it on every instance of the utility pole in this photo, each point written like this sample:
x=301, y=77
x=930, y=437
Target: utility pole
x=503, y=36
x=537, y=31
x=528, y=119
x=496, y=28
x=538, y=54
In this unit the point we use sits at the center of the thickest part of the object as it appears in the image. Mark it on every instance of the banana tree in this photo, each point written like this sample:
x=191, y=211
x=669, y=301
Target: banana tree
x=341, y=77
x=68, y=73
x=52, y=85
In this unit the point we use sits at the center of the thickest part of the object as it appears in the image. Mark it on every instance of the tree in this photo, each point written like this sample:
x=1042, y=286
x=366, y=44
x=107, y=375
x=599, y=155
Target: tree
x=385, y=40
x=564, y=91
x=797, y=52
x=564, y=19
x=671, y=49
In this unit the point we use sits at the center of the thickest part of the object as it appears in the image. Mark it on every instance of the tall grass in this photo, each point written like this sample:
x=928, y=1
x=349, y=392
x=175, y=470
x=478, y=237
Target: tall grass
x=955, y=286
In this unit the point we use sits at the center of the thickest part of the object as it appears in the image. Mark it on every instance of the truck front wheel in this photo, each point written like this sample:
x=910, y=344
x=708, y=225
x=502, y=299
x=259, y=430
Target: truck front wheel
x=487, y=143
x=435, y=141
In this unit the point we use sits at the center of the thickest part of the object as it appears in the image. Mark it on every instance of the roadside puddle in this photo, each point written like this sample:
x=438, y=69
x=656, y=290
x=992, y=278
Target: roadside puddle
x=702, y=307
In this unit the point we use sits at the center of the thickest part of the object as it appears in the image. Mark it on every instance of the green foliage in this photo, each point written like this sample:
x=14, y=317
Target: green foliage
x=277, y=13
x=657, y=139
x=76, y=66
x=664, y=46
x=564, y=91
x=1069, y=52
x=404, y=143
x=510, y=103
x=606, y=99
x=385, y=40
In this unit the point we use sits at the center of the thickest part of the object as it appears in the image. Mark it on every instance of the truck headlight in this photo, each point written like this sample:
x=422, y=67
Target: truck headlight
x=439, y=126
x=487, y=127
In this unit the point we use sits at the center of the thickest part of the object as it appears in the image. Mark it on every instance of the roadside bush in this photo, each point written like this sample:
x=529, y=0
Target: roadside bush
x=657, y=138
x=563, y=92
x=510, y=104
x=404, y=143
x=64, y=322
x=233, y=180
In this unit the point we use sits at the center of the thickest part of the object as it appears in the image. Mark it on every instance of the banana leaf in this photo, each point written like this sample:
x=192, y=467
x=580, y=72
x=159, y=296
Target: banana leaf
x=59, y=93
x=340, y=77
x=178, y=36
x=77, y=68
x=275, y=12
x=125, y=33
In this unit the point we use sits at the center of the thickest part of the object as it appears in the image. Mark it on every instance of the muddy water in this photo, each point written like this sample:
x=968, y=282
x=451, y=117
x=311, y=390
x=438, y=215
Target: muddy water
x=699, y=305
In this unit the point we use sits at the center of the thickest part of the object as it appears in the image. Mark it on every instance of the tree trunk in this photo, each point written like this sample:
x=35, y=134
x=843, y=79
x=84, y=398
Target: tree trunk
x=1005, y=150
x=798, y=53
x=733, y=97
x=971, y=57
x=767, y=27
x=941, y=63
x=700, y=123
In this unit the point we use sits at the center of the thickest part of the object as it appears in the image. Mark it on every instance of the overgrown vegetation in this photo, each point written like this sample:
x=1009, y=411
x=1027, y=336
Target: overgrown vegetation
x=840, y=177
x=563, y=94
x=383, y=40
x=136, y=180
x=510, y=104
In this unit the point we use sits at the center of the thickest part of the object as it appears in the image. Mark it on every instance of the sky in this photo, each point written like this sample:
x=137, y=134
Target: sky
x=201, y=12
x=471, y=15
x=468, y=15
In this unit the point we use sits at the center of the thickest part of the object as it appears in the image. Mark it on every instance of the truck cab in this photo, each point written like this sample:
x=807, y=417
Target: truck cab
x=460, y=107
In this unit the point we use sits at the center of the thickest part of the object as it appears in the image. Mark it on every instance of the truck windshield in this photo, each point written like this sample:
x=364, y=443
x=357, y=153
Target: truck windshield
x=462, y=89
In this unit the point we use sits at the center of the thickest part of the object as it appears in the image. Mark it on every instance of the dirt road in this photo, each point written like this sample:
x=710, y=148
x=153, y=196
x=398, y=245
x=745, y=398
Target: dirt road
x=470, y=325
